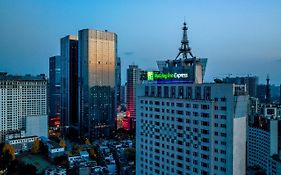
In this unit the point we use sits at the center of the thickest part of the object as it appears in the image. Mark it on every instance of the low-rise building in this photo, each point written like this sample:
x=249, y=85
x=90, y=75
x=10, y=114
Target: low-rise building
x=55, y=171
x=54, y=149
x=22, y=143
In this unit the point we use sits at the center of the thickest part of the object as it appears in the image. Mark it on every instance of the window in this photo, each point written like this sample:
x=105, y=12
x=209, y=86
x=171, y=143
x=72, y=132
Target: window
x=173, y=91
x=198, y=93
x=189, y=93
x=180, y=92
x=159, y=91
x=166, y=91
x=207, y=93
x=152, y=93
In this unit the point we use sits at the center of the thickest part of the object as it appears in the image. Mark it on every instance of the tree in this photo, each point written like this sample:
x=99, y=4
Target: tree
x=92, y=153
x=9, y=149
x=130, y=154
x=35, y=147
x=87, y=142
x=76, y=149
x=62, y=143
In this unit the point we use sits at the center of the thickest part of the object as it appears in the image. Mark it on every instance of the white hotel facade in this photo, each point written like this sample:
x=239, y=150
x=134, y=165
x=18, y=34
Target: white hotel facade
x=187, y=127
x=191, y=129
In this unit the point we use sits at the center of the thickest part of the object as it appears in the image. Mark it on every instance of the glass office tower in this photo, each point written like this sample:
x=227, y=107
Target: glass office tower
x=97, y=99
x=69, y=85
x=55, y=86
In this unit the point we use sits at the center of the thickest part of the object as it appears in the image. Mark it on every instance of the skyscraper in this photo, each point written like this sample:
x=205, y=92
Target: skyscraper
x=55, y=86
x=97, y=84
x=22, y=98
x=118, y=80
x=69, y=85
x=133, y=79
x=185, y=126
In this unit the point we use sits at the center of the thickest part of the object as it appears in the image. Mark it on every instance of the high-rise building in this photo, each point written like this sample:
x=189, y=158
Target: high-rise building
x=251, y=83
x=54, y=86
x=263, y=143
x=69, y=85
x=185, y=126
x=97, y=84
x=118, y=80
x=133, y=79
x=280, y=94
x=123, y=93
x=21, y=98
x=267, y=91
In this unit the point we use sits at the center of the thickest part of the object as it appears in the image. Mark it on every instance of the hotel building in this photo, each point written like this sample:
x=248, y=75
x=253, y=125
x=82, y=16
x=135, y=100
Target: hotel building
x=187, y=127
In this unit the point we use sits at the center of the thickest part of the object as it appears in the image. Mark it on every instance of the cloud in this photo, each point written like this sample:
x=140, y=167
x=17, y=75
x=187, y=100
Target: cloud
x=278, y=60
x=129, y=53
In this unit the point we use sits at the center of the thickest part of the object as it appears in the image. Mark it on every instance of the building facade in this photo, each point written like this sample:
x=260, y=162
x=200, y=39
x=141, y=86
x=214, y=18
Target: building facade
x=191, y=129
x=263, y=141
x=97, y=84
x=21, y=97
x=54, y=86
x=69, y=85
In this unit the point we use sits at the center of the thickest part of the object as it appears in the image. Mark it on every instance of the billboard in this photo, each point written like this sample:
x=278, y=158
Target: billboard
x=168, y=77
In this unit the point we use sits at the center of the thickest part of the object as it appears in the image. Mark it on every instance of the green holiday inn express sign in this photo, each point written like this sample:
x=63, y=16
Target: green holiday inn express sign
x=166, y=76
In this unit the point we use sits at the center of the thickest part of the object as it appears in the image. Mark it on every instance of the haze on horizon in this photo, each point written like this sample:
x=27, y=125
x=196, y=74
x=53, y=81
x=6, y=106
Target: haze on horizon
x=238, y=37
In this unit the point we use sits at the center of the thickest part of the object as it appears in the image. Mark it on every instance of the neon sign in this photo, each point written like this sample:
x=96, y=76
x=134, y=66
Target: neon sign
x=152, y=76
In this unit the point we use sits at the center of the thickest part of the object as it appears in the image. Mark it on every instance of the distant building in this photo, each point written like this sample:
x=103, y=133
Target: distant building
x=263, y=141
x=37, y=126
x=69, y=85
x=54, y=149
x=97, y=82
x=133, y=79
x=55, y=171
x=254, y=109
x=21, y=98
x=251, y=83
x=124, y=94
x=22, y=143
x=268, y=93
x=280, y=94
x=118, y=80
x=55, y=86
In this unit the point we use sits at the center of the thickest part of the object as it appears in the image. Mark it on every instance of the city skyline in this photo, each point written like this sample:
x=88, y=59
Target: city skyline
x=238, y=38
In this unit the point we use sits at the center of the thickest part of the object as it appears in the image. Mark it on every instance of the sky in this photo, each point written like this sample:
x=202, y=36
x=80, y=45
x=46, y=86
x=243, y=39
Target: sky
x=239, y=38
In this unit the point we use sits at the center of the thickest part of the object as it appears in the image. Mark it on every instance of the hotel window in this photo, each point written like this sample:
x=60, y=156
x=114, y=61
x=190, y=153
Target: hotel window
x=166, y=91
x=207, y=93
x=146, y=90
x=173, y=92
x=159, y=91
x=189, y=93
x=180, y=92
x=152, y=91
x=198, y=93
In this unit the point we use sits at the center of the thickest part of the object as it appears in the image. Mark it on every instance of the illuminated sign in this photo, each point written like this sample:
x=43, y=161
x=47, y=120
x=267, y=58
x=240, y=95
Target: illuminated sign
x=152, y=76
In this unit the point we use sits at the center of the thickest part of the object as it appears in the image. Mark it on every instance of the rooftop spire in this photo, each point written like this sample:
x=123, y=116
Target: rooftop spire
x=185, y=49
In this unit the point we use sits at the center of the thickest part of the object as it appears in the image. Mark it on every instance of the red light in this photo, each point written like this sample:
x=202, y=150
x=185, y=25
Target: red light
x=128, y=114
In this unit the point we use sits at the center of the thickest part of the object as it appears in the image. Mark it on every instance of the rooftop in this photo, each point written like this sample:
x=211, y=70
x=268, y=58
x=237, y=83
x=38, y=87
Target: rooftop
x=5, y=76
